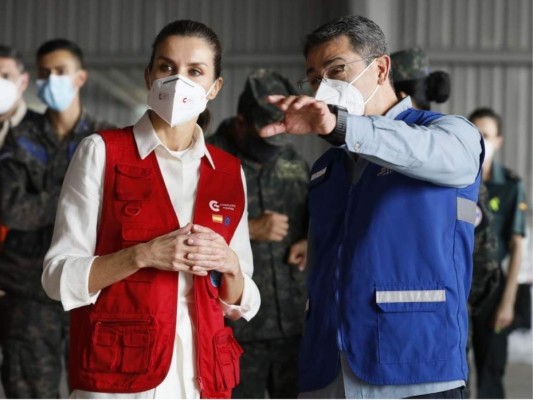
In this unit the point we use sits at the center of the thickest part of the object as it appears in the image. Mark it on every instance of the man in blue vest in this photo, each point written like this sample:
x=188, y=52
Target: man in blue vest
x=392, y=212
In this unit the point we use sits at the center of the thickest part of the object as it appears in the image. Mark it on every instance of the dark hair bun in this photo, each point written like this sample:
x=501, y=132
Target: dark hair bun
x=438, y=86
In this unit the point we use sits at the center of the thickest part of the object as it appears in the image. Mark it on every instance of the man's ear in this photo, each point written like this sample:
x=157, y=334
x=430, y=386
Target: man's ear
x=81, y=77
x=383, y=63
x=24, y=82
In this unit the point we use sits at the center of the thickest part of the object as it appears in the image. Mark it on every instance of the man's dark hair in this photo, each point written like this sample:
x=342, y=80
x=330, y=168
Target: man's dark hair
x=365, y=36
x=61, y=44
x=10, y=52
x=486, y=112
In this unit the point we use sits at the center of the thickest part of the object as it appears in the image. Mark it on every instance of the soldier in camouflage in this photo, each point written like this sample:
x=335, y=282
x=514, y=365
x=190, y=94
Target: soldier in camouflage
x=33, y=163
x=14, y=81
x=412, y=77
x=276, y=178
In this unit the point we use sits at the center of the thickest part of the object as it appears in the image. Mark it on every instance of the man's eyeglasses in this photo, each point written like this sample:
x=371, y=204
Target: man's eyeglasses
x=338, y=72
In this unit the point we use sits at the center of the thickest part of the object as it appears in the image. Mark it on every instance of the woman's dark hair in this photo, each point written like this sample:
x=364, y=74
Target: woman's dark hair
x=434, y=87
x=61, y=44
x=190, y=28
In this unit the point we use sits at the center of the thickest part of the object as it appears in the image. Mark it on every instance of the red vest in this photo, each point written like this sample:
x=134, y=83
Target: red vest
x=124, y=342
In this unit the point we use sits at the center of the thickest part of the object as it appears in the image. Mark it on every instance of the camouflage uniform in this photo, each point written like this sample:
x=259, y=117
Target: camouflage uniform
x=280, y=186
x=33, y=164
x=276, y=181
x=409, y=64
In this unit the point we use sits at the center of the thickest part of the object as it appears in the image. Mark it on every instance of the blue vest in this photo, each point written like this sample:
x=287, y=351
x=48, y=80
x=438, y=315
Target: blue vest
x=390, y=267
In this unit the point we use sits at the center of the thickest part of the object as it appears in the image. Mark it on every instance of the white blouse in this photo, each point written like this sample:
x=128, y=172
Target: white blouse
x=68, y=261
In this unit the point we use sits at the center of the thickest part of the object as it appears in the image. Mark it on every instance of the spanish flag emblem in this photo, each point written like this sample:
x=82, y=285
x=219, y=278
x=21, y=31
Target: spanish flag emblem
x=217, y=218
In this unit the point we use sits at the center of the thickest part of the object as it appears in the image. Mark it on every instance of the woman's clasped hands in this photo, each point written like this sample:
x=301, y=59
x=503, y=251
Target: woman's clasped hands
x=193, y=248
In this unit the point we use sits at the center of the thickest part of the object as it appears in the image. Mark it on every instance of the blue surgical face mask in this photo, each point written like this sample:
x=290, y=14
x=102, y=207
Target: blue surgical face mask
x=57, y=92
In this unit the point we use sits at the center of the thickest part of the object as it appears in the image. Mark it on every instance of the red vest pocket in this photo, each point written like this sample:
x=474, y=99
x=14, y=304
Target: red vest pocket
x=227, y=354
x=121, y=345
x=133, y=183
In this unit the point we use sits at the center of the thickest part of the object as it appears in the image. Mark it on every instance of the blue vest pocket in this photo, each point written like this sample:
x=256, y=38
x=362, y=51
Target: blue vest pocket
x=412, y=325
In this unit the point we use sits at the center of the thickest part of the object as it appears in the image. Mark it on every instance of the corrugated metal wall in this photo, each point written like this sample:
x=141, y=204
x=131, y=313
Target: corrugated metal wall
x=486, y=45
x=116, y=36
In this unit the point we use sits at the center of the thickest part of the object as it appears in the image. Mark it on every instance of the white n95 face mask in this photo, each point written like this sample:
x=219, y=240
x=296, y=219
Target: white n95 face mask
x=344, y=94
x=8, y=95
x=177, y=99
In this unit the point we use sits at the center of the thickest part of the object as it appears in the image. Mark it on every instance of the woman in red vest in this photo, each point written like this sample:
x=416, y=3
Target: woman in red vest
x=151, y=246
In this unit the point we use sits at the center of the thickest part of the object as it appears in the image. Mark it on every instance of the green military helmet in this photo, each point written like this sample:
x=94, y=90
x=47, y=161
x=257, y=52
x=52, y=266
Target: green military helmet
x=409, y=64
x=252, y=103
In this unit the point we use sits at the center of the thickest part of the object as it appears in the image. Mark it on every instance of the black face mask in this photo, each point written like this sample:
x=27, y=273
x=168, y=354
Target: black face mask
x=261, y=150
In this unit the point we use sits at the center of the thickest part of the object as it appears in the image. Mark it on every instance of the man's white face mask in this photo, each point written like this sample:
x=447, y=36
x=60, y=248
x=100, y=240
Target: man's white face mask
x=8, y=95
x=344, y=94
x=177, y=99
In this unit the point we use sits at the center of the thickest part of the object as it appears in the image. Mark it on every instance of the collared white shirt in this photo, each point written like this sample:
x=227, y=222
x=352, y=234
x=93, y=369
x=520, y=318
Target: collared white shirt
x=68, y=261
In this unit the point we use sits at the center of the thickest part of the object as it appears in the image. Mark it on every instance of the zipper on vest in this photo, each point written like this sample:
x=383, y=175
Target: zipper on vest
x=198, y=330
x=340, y=340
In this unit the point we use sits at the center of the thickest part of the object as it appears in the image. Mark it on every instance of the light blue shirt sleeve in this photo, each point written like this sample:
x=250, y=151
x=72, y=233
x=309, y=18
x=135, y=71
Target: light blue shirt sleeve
x=446, y=152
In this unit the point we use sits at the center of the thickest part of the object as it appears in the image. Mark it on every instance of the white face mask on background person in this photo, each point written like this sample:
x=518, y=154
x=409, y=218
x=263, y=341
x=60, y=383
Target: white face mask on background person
x=57, y=92
x=8, y=95
x=489, y=152
x=344, y=94
x=177, y=99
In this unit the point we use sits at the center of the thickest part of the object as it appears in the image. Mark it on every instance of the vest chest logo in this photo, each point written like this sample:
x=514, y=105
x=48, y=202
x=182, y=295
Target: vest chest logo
x=384, y=171
x=219, y=208
x=213, y=205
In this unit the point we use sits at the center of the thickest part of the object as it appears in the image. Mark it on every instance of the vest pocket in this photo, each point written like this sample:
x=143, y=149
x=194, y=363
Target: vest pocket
x=412, y=324
x=133, y=183
x=227, y=354
x=120, y=345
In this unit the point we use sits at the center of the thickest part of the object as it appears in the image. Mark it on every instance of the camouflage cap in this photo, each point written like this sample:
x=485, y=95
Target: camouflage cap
x=252, y=103
x=409, y=64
